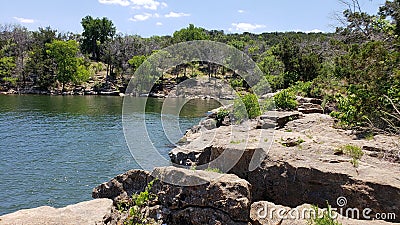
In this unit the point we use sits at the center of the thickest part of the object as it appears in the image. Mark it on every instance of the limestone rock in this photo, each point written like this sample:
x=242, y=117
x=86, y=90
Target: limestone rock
x=281, y=118
x=123, y=186
x=223, y=195
x=209, y=124
x=308, y=108
x=84, y=213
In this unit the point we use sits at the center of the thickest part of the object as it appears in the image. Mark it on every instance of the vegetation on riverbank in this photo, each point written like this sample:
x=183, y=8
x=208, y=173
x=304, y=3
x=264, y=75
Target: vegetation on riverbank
x=354, y=69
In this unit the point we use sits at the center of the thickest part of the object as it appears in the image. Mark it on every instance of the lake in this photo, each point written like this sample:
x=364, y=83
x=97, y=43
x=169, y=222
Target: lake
x=55, y=149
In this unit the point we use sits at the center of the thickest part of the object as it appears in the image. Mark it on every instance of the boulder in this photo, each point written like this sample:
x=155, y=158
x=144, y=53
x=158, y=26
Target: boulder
x=123, y=186
x=84, y=213
x=209, y=124
x=224, y=196
x=218, y=199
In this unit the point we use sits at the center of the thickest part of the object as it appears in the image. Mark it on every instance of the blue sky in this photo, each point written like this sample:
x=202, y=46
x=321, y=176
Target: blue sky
x=163, y=17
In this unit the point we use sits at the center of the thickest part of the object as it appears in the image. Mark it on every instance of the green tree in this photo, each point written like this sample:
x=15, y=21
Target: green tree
x=69, y=67
x=190, y=33
x=95, y=33
x=40, y=64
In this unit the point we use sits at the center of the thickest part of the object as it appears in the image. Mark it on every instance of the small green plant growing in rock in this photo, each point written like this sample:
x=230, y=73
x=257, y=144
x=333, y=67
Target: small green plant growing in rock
x=137, y=211
x=215, y=170
x=324, y=218
x=353, y=151
x=236, y=142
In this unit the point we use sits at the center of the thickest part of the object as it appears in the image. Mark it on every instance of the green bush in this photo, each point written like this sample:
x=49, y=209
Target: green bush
x=348, y=114
x=246, y=107
x=285, y=99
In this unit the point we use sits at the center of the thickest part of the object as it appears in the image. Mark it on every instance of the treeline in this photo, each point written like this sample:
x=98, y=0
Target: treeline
x=355, y=69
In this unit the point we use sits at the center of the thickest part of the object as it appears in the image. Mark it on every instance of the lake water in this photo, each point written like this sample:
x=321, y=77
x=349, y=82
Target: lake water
x=55, y=149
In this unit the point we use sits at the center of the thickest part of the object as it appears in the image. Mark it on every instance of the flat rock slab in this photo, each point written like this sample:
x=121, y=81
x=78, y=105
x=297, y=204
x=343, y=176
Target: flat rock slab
x=89, y=212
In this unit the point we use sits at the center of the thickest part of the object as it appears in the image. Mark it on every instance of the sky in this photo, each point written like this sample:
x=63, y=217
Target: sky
x=163, y=17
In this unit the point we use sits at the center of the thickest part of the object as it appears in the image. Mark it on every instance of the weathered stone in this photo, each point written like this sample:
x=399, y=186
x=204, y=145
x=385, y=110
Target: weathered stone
x=85, y=213
x=209, y=124
x=123, y=186
x=308, y=108
x=302, y=100
x=224, y=194
x=282, y=118
x=266, y=124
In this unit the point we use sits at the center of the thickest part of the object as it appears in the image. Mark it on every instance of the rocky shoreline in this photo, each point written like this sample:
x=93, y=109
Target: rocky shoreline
x=300, y=164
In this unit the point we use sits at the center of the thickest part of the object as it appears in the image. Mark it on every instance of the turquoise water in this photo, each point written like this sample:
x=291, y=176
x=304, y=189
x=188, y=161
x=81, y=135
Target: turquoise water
x=55, y=149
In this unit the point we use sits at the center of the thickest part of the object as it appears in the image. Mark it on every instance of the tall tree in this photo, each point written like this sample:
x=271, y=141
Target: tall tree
x=70, y=68
x=40, y=65
x=95, y=33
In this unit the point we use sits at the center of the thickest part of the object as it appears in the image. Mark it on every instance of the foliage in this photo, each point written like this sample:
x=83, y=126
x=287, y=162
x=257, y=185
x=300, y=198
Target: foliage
x=95, y=33
x=137, y=209
x=7, y=65
x=370, y=71
x=246, y=107
x=326, y=218
x=69, y=67
x=267, y=104
x=190, y=33
x=221, y=114
x=285, y=99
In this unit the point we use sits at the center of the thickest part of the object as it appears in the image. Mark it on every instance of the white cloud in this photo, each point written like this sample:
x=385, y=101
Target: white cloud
x=141, y=17
x=136, y=4
x=241, y=11
x=311, y=31
x=24, y=20
x=159, y=24
x=115, y=2
x=315, y=31
x=176, y=15
x=147, y=4
x=247, y=27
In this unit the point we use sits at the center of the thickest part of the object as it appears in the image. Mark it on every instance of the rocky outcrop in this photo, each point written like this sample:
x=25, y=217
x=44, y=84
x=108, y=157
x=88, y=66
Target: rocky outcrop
x=84, y=213
x=220, y=199
x=299, y=164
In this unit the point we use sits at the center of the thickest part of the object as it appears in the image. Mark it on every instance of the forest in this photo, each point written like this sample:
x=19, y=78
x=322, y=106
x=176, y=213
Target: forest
x=355, y=69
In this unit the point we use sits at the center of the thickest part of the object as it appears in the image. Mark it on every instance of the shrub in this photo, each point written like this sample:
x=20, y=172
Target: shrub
x=285, y=100
x=246, y=106
x=348, y=114
x=137, y=212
